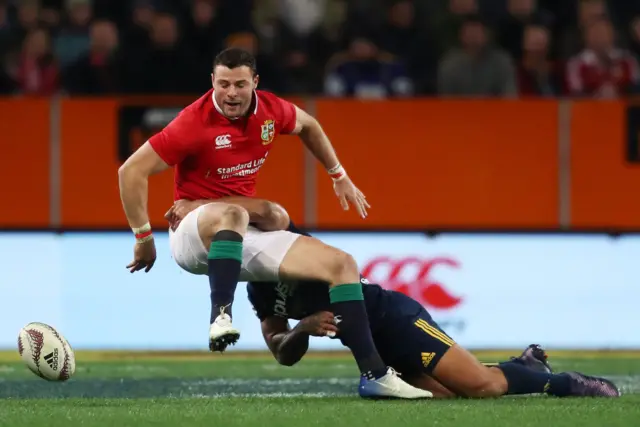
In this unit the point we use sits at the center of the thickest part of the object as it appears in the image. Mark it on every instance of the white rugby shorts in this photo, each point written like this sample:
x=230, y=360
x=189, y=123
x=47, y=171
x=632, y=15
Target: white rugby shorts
x=262, y=251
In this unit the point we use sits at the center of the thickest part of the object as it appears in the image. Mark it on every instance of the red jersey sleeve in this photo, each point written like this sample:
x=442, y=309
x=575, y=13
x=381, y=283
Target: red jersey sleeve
x=178, y=139
x=288, y=118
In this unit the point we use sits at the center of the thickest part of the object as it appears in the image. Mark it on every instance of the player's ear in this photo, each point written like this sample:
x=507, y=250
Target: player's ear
x=256, y=79
x=212, y=78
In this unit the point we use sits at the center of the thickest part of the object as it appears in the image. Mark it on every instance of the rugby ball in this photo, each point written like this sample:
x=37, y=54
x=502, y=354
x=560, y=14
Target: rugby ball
x=46, y=352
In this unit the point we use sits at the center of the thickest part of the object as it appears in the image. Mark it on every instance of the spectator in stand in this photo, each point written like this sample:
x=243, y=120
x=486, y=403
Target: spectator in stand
x=538, y=74
x=204, y=32
x=6, y=84
x=37, y=71
x=28, y=14
x=448, y=25
x=634, y=36
x=364, y=72
x=73, y=39
x=520, y=13
x=50, y=14
x=588, y=12
x=403, y=37
x=602, y=70
x=478, y=68
x=5, y=30
x=167, y=66
x=136, y=30
x=97, y=72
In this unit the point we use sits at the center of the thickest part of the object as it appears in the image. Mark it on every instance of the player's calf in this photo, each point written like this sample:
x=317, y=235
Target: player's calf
x=222, y=228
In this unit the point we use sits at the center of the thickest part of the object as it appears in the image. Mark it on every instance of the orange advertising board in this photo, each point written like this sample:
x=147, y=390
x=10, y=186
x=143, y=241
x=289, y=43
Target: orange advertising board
x=450, y=164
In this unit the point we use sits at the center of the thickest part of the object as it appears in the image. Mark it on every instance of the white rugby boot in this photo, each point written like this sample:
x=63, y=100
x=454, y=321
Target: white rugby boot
x=222, y=333
x=390, y=386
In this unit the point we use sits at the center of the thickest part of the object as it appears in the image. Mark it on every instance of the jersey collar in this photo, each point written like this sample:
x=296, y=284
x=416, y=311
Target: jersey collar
x=219, y=110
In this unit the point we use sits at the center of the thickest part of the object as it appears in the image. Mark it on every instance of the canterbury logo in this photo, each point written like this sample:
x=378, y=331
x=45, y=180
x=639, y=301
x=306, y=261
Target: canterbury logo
x=223, y=141
x=427, y=358
x=52, y=359
x=413, y=276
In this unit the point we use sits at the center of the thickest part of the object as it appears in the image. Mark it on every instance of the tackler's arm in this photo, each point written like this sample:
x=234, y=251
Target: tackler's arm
x=287, y=345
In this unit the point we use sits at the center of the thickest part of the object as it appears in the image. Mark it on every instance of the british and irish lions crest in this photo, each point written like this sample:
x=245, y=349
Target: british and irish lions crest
x=268, y=132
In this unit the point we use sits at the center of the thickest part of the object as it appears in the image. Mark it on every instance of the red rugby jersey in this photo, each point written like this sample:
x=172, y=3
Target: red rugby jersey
x=215, y=156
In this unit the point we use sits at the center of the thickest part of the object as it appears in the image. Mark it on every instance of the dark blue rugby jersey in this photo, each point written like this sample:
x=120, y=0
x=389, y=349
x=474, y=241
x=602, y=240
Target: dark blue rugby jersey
x=297, y=300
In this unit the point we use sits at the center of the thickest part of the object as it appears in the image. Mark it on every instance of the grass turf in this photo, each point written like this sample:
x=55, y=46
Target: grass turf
x=118, y=389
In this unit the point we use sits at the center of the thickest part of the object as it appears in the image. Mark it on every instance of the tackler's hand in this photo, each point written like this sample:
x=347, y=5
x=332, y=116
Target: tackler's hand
x=144, y=256
x=348, y=194
x=321, y=324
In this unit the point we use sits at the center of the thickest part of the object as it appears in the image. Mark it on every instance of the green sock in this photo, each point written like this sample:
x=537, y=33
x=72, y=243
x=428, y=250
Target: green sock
x=225, y=262
x=347, y=303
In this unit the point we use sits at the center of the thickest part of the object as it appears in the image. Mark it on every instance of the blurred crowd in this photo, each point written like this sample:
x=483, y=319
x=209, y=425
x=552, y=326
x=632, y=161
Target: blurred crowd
x=360, y=48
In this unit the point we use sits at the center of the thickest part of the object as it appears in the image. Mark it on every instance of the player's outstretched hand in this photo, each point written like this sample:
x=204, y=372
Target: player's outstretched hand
x=144, y=256
x=320, y=324
x=348, y=194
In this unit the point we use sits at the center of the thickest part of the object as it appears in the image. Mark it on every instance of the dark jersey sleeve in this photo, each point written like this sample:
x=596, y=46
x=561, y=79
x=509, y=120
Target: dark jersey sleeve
x=262, y=298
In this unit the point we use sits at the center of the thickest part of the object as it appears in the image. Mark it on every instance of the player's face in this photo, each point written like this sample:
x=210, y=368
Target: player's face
x=233, y=89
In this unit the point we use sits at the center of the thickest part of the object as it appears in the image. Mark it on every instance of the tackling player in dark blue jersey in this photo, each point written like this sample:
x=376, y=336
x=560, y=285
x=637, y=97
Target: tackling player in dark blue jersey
x=410, y=342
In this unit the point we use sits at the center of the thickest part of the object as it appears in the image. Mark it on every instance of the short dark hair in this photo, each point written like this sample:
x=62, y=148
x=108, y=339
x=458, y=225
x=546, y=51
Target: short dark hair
x=235, y=57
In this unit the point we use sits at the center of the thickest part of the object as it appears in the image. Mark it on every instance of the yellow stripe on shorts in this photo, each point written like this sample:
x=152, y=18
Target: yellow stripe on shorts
x=435, y=333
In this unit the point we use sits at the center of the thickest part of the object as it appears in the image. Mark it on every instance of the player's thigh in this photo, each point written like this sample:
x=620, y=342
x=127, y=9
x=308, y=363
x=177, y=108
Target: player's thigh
x=263, y=253
x=310, y=259
x=186, y=244
x=461, y=372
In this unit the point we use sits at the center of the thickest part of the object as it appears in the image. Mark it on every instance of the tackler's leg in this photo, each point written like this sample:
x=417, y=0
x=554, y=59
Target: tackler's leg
x=310, y=259
x=221, y=228
x=459, y=371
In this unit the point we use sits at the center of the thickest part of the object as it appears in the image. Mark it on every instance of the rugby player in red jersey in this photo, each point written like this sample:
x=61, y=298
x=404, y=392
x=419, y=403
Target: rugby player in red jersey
x=217, y=146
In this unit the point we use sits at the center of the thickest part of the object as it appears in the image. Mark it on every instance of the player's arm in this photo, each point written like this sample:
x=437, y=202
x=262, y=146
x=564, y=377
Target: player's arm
x=165, y=149
x=133, y=178
x=299, y=122
x=316, y=140
x=287, y=345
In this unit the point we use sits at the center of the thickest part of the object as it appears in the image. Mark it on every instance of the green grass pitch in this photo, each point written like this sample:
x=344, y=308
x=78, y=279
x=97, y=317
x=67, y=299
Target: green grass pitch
x=238, y=389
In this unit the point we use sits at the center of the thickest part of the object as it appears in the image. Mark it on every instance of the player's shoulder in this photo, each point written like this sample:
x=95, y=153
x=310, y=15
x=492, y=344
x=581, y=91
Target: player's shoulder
x=198, y=110
x=270, y=101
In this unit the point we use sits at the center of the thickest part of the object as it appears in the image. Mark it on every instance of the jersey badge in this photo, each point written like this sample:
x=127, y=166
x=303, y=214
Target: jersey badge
x=223, y=141
x=268, y=132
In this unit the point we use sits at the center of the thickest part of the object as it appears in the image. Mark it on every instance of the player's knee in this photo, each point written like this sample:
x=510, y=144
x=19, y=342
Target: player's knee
x=342, y=268
x=213, y=218
x=275, y=216
x=235, y=216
